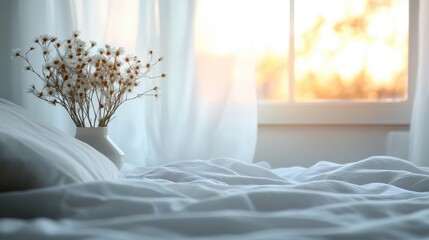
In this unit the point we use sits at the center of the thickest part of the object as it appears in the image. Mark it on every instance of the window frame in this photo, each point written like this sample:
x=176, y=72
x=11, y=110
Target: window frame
x=340, y=112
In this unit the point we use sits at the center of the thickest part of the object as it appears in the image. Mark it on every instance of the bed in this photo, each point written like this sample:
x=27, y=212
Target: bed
x=56, y=187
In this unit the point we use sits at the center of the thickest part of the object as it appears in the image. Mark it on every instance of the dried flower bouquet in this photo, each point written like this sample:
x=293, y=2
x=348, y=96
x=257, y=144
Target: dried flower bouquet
x=89, y=86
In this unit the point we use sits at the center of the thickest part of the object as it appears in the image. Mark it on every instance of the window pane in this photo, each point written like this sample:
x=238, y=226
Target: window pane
x=343, y=49
x=351, y=49
x=272, y=49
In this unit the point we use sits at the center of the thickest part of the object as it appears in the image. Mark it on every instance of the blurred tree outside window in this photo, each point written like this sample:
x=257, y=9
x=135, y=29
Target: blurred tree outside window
x=322, y=50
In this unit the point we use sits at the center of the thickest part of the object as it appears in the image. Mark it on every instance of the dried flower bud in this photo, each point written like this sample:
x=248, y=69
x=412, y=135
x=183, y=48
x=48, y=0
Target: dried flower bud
x=45, y=50
x=76, y=34
x=163, y=75
x=119, y=51
x=44, y=38
x=15, y=53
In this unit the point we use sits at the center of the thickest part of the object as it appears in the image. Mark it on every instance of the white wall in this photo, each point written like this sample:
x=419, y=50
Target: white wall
x=5, y=42
x=304, y=145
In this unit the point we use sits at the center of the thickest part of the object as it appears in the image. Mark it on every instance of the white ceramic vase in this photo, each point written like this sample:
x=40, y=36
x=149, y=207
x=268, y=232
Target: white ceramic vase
x=97, y=138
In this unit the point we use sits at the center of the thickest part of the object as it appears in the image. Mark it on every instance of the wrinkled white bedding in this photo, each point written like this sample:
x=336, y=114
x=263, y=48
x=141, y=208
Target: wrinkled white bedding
x=376, y=198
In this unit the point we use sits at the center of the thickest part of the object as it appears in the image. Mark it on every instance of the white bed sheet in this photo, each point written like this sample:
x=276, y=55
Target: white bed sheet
x=376, y=198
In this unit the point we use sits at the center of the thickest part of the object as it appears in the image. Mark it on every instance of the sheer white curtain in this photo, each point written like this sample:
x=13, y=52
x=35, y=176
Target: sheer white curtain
x=28, y=19
x=207, y=107
x=205, y=110
x=419, y=146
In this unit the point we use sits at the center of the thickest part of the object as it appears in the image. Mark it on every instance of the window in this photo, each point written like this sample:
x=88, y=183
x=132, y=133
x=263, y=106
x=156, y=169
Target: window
x=331, y=61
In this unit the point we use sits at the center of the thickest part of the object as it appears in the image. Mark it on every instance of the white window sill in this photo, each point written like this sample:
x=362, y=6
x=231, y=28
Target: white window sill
x=334, y=113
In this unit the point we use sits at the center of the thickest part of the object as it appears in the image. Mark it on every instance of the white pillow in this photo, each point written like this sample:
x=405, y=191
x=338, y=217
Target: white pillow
x=34, y=155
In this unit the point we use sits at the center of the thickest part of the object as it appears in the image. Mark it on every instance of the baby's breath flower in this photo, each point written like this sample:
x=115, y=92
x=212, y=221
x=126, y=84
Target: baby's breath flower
x=93, y=43
x=120, y=51
x=76, y=34
x=56, y=61
x=71, y=63
x=50, y=91
x=79, y=43
x=45, y=50
x=16, y=52
x=44, y=38
x=48, y=66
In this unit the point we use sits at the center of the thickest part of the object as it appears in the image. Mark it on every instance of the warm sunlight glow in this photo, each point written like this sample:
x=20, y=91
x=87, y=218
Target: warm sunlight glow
x=351, y=49
x=343, y=49
x=122, y=28
x=221, y=26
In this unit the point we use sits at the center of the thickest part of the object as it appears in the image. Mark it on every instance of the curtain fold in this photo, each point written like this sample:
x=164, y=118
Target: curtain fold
x=28, y=20
x=419, y=140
